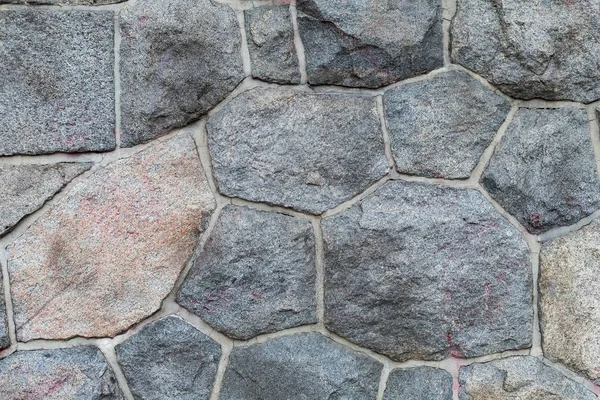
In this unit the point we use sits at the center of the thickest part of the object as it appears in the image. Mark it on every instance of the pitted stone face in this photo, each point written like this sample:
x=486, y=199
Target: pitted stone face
x=421, y=383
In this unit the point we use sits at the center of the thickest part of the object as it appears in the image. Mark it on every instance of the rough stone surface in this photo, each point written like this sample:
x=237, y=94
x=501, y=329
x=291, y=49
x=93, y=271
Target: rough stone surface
x=62, y=2
x=421, y=383
x=27, y=187
x=530, y=49
x=418, y=271
x=306, y=151
x=108, y=253
x=518, y=378
x=77, y=373
x=369, y=43
x=544, y=172
x=436, y=137
x=302, y=366
x=569, y=295
x=57, y=86
x=4, y=338
x=271, y=44
x=179, y=58
x=169, y=359
x=256, y=274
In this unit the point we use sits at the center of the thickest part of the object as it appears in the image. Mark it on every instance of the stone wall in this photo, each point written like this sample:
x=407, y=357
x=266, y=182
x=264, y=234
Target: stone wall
x=328, y=199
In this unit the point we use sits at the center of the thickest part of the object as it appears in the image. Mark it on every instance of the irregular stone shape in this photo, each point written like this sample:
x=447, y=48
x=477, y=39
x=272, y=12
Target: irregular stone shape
x=27, y=187
x=369, y=43
x=422, y=383
x=543, y=171
x=4, y=338
x=530, y=49
x=169, y=359
x=271, y=44
x=302, y=366
x=108, y=253
x=306, y=151
x=417, y=271
x=437, y=138
x=255, y=275
x=518, y=378
x=79, y=373
x=57, y=86
x=179, y=59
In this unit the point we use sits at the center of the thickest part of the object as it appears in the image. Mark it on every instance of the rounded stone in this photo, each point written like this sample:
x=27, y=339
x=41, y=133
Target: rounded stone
x=421, y=383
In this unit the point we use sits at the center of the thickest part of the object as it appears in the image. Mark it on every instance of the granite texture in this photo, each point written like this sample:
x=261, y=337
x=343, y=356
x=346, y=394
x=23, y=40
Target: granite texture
x=421, y=383
x=4, y=337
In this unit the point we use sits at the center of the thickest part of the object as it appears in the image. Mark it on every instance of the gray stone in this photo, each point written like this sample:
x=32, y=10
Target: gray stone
x=179, y=58
x=4, y=338
x=421, y=383
x=439, y=127
x=294, y=149
x=255, y=275
x=57, y=86
x=271, y=44
x=417, y=271
x=169, y=359
x=518, y=378
x=369, y=43
x=79, y=373
x=27, y=187
x=543, y=172
x=62, y=2
x=299, y=367
x=531, y=49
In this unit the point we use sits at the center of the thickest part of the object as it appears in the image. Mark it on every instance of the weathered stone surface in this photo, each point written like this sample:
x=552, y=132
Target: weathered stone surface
x=421, y=383
x=569, y=293
x=518, y=378
x=256, y=274
x=306, y=151
x=57, y=89
x=436, y=137
x=271, y=44
x=179, y=58
x=4, y=338
x=417, y=271
x=369, y=43
x=107, y=254
x=27, y=187
x=302, y=366
x=529, y=49
x=544, y=172
x=169, y=359
x=62, y=2
x=80, y=373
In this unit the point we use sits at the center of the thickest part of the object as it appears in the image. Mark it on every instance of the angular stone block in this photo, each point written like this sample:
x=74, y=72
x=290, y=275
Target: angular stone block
x=421, y=383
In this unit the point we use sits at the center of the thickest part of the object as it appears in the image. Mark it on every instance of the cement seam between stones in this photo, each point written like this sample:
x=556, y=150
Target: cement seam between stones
x=244, y=47
x=298, y=44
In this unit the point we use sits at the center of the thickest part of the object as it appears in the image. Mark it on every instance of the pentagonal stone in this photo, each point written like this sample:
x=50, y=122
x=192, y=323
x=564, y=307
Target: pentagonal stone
x=302, y=366
x=179, y=58
x=271, y=44
x=105, y=256
x=306, y=151
x=27, y=187
x=4, y=338
x=369, y=43
x=421, y=383
x=80, y=373
x=417, y=271
x=543, y=172
x=518, y=378
x=255, y=275
x=437, y=138
x=169, y=359
x=57, y=86
x=531, y=49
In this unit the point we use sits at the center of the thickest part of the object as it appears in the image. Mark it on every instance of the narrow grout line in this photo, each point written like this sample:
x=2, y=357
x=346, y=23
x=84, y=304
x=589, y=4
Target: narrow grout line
x=220, y=376
x=54, y=158
x=385, y=374
x=528, y=237
x=453, y=183
x=564, y=230
x=320, y=271
x=540, y=103
x=594, y=135
x=349, y=203
x=300, y=52
x=117, y=82
x=536, y=339
x=8, y=304
x=108, y=350
x=244, y=48
x=387, y=141
x=448, y=11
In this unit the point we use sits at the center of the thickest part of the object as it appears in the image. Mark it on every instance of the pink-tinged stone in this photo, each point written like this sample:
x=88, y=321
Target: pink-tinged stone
x=109, y=252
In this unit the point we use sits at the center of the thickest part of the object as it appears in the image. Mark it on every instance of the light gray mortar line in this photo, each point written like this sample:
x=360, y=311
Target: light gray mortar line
x=240, y=5
x=528, y=237
x=246, y=84
x=8, y=305
x=244, y=48
x=117, y=78
x=300, y=53
x=574, y=376
x=594, y=134
x=223, y=362
x=385, y=373
x=50, y=158
x=202, y=326
x=387, y=141
x=349, y=203
x=452, y=366
x=564, y=230
x=536, y=339
x=540, y=103
x=448, y=11
x=271, y=208
x=320, y=271
x=482, y=80
x=457, y=183
x=108, y=349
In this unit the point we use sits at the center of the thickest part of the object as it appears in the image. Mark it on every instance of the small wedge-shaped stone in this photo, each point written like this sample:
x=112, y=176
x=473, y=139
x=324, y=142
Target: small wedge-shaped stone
x=422, y=383
x=4, y=338
x=108, y=253
x=298, y=367
x=169, y=359
x=179, y=58
x=255, y=275
x=370, y=43
x=294, y=149
x=518, y=378
x=79, y=373
x=543, y=172
x=417, y=271
x=531, y=49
